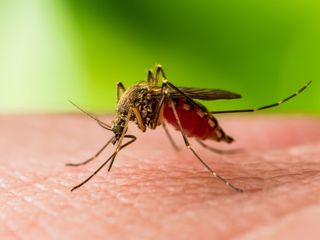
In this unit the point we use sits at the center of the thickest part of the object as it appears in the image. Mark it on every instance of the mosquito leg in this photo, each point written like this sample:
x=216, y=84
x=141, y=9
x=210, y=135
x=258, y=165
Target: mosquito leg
x=150, y=78
x=153, y=80
x=92, y=158
x=120, y=90
x=267, y=106
x=112, y=157
x=174, y=145
x=159, y=70
x=219, y=151
x=164, y=94
x=93, y=174
x=214, y=173
x=164, y=90
x=139, y=119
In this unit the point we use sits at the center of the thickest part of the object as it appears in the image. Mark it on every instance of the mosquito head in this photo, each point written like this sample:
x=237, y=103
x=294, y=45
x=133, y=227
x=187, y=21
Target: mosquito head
x=117, y=130
x=118, y=127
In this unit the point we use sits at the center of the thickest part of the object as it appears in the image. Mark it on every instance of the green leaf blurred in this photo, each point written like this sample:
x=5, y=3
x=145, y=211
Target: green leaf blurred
x=55, y=50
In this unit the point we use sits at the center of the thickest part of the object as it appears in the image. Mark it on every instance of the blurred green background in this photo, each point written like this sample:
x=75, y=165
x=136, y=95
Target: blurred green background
x=55, y=50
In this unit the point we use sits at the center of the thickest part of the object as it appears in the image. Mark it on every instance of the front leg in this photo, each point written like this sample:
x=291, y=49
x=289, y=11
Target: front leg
x=138, y=116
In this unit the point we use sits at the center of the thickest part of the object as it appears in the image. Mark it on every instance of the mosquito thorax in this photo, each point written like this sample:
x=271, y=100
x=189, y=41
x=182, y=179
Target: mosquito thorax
x=139, y=96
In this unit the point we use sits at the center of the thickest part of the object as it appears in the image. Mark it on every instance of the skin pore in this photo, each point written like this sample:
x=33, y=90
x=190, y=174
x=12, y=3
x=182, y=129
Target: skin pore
x=154, y=192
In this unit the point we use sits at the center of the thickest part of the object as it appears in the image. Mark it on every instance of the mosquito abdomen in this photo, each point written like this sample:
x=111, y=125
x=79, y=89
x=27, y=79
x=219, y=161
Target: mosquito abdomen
x=195, y=121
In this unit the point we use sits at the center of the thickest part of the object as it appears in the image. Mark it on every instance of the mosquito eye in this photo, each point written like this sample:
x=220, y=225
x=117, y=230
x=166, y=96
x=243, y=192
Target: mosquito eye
x=154, y=106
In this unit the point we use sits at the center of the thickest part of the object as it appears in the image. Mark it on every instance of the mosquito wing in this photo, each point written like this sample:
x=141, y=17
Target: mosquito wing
x=204, y=93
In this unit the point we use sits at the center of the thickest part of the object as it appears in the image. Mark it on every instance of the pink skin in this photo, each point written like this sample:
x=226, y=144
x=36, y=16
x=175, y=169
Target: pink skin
x=153, y=192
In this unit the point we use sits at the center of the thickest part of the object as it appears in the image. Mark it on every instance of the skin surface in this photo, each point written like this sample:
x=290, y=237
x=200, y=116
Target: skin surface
x=153, y=192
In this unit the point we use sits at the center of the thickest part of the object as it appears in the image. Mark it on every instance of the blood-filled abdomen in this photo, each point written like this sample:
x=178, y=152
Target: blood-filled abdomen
x=195, y=120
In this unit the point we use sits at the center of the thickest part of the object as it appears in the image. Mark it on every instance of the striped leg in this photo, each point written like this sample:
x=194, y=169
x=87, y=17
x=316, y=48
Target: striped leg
x=267, y=106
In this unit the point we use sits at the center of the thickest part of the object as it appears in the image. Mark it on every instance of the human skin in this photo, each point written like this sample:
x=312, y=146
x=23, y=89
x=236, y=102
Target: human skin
x=154, y=192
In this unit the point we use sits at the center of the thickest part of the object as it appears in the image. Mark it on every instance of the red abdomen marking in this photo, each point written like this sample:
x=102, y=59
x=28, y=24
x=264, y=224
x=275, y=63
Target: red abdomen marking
x=196, y=122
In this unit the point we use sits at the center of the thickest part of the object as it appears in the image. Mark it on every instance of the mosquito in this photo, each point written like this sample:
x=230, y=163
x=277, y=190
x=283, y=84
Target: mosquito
x=150, y=105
